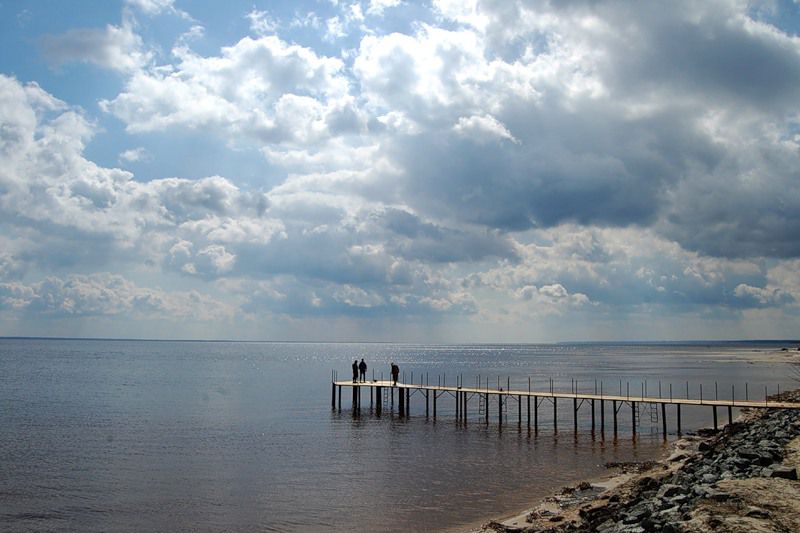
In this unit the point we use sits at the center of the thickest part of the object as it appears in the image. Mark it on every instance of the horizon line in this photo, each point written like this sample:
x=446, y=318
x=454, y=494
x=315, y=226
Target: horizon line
x=275, y=341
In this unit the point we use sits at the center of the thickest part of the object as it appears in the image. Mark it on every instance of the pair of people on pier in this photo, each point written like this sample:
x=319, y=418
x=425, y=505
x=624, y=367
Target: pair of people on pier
x=359, y=371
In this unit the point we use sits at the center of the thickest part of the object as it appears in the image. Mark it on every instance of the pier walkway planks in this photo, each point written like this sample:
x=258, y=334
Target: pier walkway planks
x=462, y=395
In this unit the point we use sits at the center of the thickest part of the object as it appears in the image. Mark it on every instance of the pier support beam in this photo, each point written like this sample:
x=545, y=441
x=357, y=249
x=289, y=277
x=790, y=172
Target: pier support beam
x=575, y=414
x=592, y=416
x=679, y=417
x=500, y=409
x=555, y=414
x=730, y=415
x=435, y=395
x=529, y=411
x=536, y=413
x=486, y=408
x=408, y=402
x=664, y=420
x=715, y=418
x=401, y=397
x=602, y=417
x=378, y=400
x=614, y=406
x=519, y=411
x=333, y=395
x=633, y=417
x=427, y=403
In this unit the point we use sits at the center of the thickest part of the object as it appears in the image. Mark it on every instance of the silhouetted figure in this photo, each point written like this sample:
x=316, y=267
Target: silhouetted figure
x=355, y=370
x=395, y=373
x=362, y=369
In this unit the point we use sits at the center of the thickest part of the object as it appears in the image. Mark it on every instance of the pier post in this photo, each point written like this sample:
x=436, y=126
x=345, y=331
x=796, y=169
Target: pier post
x=519, y=411
x=536, y=413
x=378, y=400
x=555, y=413
x=730, y=415
x=434, y=404
x=679, y=417
x=715, y=417
x=602, y=416
x=486, y=408
x=592, y=401
x=333, y=395
x=664, y=420
x=408, y=402
x=401, y=402
x=355, y=397
x=458, y=405
x=633, y=416
x=575, y=414
x=529, y=408
x=340, y=397
x=427, y=403
x=614, y=405
x=500, y=409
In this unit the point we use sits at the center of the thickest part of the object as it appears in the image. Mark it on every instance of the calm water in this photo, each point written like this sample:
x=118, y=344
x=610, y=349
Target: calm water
x=226, y=436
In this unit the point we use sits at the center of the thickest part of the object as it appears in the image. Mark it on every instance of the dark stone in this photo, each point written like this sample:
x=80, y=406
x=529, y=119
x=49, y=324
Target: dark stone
x=784, y=472
x=748, y=453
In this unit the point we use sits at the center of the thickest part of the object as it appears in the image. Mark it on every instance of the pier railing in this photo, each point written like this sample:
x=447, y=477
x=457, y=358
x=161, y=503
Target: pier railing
x=382, y=392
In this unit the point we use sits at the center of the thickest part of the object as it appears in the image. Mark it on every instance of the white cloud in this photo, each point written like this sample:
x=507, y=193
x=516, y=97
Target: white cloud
x=482, y=128
x=156, y=7
x=105, y=294
x=259, y=90
x=133, y=155
x=377, y=7
x=261, y=23
x=114, y=47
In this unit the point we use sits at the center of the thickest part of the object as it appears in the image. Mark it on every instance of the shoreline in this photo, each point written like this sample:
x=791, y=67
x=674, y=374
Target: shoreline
x=685, y=489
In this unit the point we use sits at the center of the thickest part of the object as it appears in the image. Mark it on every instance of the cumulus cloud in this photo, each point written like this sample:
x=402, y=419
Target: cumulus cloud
x=133, y=155
x=113, y=47
x=487, y=160
x=105, y=294
x=258, y=89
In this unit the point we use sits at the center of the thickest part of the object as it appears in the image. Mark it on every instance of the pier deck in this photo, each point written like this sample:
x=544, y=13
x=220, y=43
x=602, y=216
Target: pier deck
x=380, y=389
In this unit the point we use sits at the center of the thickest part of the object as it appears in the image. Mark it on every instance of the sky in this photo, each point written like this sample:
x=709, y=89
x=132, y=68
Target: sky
x=387, y=170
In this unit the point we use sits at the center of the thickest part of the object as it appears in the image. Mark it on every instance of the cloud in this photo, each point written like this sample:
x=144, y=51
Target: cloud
x=156, y=7
x=113, y=47
x=261, y=23
x=105, y=294
x=262, y=90
x=133, y=155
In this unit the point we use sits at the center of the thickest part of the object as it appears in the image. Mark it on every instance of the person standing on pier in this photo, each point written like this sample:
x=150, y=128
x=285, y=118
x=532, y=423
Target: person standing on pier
x=362, y=370
x=395, y=373
x=355, y=370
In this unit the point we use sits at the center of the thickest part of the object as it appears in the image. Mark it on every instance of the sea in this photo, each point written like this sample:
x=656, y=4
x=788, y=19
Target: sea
x=173, y=436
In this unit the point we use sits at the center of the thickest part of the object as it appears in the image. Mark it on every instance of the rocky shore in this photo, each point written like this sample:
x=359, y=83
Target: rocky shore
x=742, y=478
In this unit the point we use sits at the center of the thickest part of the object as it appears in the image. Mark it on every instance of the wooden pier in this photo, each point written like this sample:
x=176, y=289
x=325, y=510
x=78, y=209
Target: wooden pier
x=498, y=399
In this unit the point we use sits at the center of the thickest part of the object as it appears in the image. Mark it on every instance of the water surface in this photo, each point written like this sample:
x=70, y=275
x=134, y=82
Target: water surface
x=104, y=435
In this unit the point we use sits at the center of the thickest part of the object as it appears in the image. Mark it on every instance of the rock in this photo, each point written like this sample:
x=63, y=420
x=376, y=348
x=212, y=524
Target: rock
x=717, y=495
x=785, y=472
x=756, y=512
x=748, y=453
x=668, y=490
